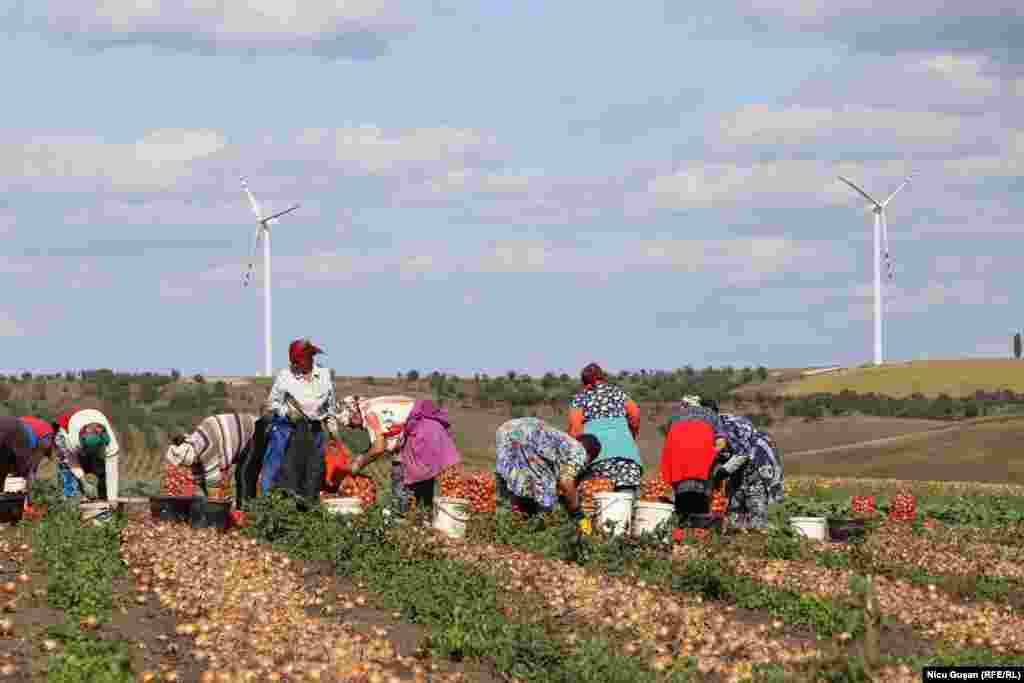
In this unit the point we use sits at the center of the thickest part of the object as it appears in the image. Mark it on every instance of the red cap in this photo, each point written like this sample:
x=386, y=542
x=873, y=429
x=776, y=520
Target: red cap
x=302, y=351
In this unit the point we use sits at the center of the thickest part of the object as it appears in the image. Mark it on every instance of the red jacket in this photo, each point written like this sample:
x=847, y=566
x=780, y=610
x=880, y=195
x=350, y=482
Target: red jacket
x=688, y=452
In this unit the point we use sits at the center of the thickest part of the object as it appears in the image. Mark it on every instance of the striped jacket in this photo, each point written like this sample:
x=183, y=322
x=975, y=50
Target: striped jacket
x=217, y=444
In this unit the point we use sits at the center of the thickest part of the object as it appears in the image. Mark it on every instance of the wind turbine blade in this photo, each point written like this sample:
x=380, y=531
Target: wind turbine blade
x=860, y=192
x=252, y=258
x=252, y=201
x=896, y=191
x=885, y=246
x=279, y=214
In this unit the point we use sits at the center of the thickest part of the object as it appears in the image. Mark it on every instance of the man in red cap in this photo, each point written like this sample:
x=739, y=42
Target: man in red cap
x=303, y=391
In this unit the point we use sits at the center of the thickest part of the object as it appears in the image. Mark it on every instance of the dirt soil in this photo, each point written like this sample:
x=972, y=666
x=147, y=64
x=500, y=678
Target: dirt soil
x=148, y=628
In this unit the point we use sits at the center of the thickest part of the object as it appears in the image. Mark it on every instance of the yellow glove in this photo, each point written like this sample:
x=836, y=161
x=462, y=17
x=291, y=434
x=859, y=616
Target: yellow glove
x=586, y=528
x=719, y=444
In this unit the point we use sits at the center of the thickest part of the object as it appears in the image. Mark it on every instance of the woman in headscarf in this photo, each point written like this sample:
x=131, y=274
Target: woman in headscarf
x=22, y=448
x=85, y=443
x=304, y=391
x=608, y=413
x=427, y=450
x=218, y=444
x=755, y=473
x=537, y=464
x=695, y=435
x=384, y=419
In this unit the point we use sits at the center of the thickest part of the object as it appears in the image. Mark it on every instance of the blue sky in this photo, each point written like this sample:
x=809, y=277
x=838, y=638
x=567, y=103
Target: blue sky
x=495, y=186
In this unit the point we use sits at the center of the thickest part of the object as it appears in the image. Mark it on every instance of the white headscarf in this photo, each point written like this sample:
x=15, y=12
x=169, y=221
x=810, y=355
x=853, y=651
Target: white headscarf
x=181, y=456
x=691, y=400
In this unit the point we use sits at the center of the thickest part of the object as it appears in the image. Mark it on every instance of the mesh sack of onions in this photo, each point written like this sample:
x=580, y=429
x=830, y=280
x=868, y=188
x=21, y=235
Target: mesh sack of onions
x=719, y=503
x=587, y=490
x=479, y=490
x=361, y=487
x=176, y=481
x=903, y=507
x=450, y=482
x=863, y=506
x=654, y=490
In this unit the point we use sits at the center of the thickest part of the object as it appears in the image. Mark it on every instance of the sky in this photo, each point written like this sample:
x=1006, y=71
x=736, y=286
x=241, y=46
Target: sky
x=524, y=186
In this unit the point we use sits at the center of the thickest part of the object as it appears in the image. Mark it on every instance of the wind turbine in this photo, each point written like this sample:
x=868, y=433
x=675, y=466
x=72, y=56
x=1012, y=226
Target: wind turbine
x=881, y=243
x=263, y=232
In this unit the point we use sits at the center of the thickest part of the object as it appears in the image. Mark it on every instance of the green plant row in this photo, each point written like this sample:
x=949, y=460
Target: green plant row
x=708, y=575
x=978, y=511
x=650, y=560
x=468, y=613
x=82, y=562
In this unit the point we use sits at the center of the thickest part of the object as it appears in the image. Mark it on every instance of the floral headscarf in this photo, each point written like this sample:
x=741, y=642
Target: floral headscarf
x=347, y=408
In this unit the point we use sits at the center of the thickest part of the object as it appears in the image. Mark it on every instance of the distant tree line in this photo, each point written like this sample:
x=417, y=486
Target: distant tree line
x=943, y=407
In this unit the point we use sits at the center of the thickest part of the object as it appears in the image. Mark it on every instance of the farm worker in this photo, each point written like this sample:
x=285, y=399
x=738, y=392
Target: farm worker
x=756, y=470
x=302, y=391
x=695, y=435
x=20, y=452
x=608, y=413
x=537, y=463
x=427, y=450
x=44, y=433
x=217, y=444
x=85, y=443
x=383, y=418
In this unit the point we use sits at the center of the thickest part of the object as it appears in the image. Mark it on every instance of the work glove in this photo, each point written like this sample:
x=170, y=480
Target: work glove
x=720, y=444
x=583, y=524
x=358, y=463
x=735, y=462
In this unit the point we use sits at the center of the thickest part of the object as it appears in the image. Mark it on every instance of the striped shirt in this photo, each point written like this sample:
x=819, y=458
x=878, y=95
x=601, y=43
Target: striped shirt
x=217, y=444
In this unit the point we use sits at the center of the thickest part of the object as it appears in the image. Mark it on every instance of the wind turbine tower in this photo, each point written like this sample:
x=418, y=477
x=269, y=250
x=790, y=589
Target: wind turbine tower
x=881, y=245
x=263, y=233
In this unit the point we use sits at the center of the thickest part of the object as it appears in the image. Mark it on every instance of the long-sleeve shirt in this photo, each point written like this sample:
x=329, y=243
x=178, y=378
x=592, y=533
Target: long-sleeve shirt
x=17, y=457
x=68, y=440
x=67, y=444
x=217, y=444
x=315, y=395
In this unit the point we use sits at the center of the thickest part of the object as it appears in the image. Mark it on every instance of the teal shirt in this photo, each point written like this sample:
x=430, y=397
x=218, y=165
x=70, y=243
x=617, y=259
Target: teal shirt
x=616, y=439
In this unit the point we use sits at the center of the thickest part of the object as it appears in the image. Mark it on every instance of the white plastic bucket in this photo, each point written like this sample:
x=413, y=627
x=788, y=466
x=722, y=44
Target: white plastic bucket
x=15, y=485
x=616, y=508
x=649, y=515
x=97, y=513
x=815, y=528
x=451, y=515
x=344, y=506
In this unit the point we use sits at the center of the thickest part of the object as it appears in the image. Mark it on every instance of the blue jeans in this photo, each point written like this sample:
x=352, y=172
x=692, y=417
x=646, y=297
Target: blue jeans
x=72, y=488
x=279, y=433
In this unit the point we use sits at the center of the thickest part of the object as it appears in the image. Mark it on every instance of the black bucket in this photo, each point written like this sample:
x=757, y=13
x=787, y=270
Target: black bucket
x=172, y=508
x=843, y=530
x=12, y=505
x=211, y=514
x=704, y=521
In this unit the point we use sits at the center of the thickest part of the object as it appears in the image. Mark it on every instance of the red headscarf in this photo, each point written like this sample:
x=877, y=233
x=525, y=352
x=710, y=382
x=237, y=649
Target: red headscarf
x=300, y=354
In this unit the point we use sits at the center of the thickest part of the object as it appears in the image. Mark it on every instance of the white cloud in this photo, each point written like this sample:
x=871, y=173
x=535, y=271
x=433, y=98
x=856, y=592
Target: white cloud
x=761, y=124
x=962, y=72
x=9, y=327
x=372, y=150
x=169, y=290
x=156, y=161
x=351, y=28
x=781, y=183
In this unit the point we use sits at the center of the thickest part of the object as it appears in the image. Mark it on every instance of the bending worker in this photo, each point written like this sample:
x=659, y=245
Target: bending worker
x=85, y=443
